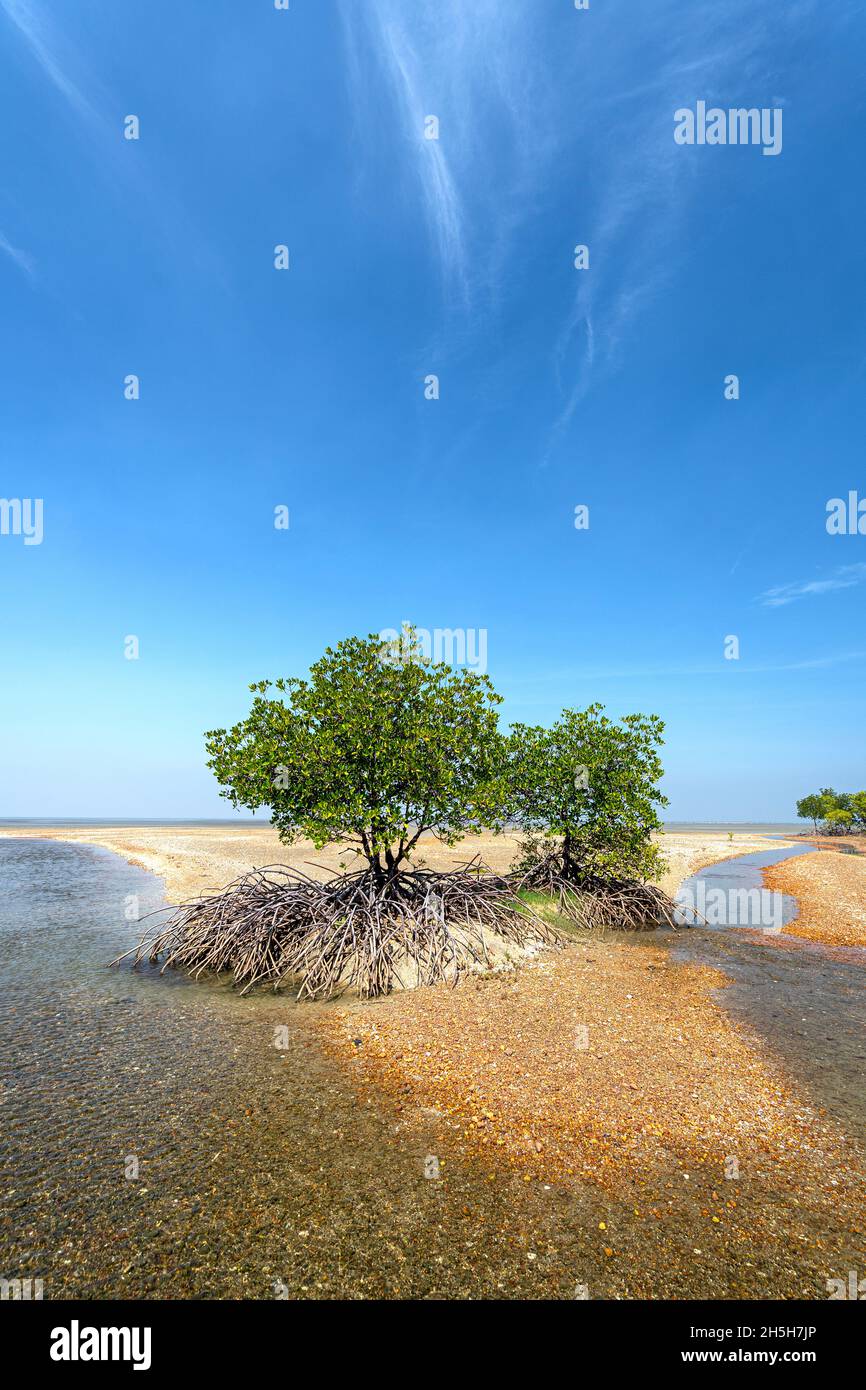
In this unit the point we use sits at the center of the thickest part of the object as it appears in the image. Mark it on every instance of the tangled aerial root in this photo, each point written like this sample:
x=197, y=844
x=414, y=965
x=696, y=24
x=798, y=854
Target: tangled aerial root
x=596, y=903
x=277, y=924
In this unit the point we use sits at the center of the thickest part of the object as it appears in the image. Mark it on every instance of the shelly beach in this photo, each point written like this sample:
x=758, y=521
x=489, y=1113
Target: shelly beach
x=651, y=1087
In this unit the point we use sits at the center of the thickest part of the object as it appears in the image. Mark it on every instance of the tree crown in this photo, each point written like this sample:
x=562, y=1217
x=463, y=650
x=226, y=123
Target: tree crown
x=834, y=808
x=595, y=783
x=374, y=748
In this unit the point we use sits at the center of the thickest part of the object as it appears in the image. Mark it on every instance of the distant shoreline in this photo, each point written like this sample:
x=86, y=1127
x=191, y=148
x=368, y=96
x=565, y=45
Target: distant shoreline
x=193, y=857
x=263, y=823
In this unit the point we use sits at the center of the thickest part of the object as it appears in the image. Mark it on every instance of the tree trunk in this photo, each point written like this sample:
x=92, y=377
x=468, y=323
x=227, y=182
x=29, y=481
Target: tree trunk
x=566, y=854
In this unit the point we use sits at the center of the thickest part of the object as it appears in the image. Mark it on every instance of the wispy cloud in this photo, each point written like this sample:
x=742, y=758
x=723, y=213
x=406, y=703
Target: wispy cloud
x=72, y=72
x=22, y=259
x=845, y=577
x=476, y=67
x=726, y=670
x=641, y=190
x=541, y=108
x=444, y=206
x=40, y=37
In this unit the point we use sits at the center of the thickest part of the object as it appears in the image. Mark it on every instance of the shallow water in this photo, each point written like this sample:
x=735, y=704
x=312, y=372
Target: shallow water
x=160, y=1138
x=782, y=829
x=155, y=1142
x=833, y=845
x=731, y=893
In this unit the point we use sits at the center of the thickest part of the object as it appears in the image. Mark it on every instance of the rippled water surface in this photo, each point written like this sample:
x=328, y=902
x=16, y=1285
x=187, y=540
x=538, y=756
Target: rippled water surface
x=155, y=1142
x=259, y=1173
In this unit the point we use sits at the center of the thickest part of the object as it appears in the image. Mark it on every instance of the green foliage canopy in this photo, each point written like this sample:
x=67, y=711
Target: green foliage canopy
x=811, y=808
x=374, y=748
x=593, y=783
x=838, y=811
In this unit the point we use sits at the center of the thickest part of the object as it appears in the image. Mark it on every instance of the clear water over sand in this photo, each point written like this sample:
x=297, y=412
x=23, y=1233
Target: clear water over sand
x=731, y=893
x=259, y=1174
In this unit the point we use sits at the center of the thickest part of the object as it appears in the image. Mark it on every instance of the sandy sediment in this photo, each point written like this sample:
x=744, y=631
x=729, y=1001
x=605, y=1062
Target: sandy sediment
x=203, y=859
x=606, y=1067
x=593, y=1061
x=609, y=1068
x=832, y=843
x=831, y=892
x=199, y=860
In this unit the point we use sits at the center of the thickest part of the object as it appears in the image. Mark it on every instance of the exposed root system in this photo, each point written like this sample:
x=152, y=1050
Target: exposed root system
x=597, y=903
x=360, y=930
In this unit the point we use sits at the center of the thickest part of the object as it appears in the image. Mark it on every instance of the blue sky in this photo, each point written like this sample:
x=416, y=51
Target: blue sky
x=408, y=256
